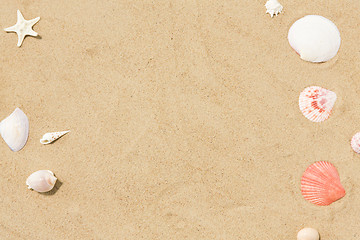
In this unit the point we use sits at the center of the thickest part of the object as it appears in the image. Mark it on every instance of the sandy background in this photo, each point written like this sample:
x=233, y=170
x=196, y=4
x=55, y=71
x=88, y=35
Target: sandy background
x=184, y=120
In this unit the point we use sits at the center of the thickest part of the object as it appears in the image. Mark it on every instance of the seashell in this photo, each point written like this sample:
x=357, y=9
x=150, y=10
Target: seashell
x=15, y=130
x=273, y=7
x=51, y=137
x=355, y=142
x=320, y=184
x=314, y=38
x=41, y=181
x=316, y=103
x=308, y=234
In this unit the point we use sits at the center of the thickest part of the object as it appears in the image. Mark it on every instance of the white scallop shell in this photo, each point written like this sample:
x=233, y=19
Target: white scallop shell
x=273, y=7
x=308, y=234
x=355, y=142
x=314, y=38
x=51, y=137
x=41, y=181
x=15, y=130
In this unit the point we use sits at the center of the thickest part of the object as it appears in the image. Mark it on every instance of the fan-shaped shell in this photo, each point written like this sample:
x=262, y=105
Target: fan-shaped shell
x=316, y=103
x=314, y=38
x=41, y=181
x=355, y=142
x=320, y=184
x=15, y=130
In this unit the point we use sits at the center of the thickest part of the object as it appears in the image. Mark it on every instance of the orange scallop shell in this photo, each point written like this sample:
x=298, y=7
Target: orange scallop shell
x=320, y=184
x=316, y=103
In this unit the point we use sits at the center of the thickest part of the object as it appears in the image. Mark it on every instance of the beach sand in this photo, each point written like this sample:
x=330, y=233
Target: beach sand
x=184, y=120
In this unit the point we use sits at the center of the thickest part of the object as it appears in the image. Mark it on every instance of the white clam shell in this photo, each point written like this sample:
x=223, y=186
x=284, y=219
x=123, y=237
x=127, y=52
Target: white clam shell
x=41, y=181
x=314, y=38
x=308, y=234
x=51, y=137
x=15, y=130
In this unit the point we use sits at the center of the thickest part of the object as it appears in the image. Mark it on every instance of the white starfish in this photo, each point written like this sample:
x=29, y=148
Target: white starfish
x=23, y=27
x=273, y=7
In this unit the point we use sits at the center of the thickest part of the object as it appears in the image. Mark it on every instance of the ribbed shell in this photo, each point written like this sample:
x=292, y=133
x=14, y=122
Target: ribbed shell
x=316, y=103
x=320, y=184
x=355, y=142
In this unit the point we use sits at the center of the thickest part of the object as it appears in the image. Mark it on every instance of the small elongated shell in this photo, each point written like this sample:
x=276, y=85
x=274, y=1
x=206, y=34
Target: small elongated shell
x=316, y=103
x=41, y=181
x=51, y=137
x=308, y=234
x=314, y=38
x=15, y=130
x=355, y=142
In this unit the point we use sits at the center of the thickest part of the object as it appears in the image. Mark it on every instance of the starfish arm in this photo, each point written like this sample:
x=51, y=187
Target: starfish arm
x=20, y=39
x=20, y=17
x=34, y=21
x=11, y=29
x=31, y=33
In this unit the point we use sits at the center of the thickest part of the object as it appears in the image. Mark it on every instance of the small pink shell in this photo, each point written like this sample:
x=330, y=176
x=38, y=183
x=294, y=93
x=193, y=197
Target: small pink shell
x=355, y=142
x=316, y=103
x=320, y=184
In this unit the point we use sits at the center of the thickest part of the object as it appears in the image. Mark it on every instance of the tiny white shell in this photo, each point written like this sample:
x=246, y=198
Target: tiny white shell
x=308, y=234
x=314, y=38
x=273, y=7
x=41, y=181
x=355, y=142
x=15, y=130
x=51, y=137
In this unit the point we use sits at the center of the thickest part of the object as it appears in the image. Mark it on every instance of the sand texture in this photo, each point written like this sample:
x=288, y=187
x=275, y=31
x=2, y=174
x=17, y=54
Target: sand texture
x=184, y=120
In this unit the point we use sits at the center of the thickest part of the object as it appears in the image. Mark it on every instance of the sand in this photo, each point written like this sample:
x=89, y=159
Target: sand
x=184, y=120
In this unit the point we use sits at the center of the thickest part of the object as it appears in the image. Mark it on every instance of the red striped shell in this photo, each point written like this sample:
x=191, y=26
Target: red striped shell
x=355, y=142
x=316, y=103
x=320, y=184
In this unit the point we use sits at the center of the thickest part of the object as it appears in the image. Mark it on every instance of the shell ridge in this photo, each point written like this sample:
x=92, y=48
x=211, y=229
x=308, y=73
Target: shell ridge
x=321, y=185
x=316, y=103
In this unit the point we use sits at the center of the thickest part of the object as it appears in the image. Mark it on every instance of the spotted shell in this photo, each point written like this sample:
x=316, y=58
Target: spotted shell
x=316, y=103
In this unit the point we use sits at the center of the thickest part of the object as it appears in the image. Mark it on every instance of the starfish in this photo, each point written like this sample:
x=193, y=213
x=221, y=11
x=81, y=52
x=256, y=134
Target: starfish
x=273, y=7
x=23, y=27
